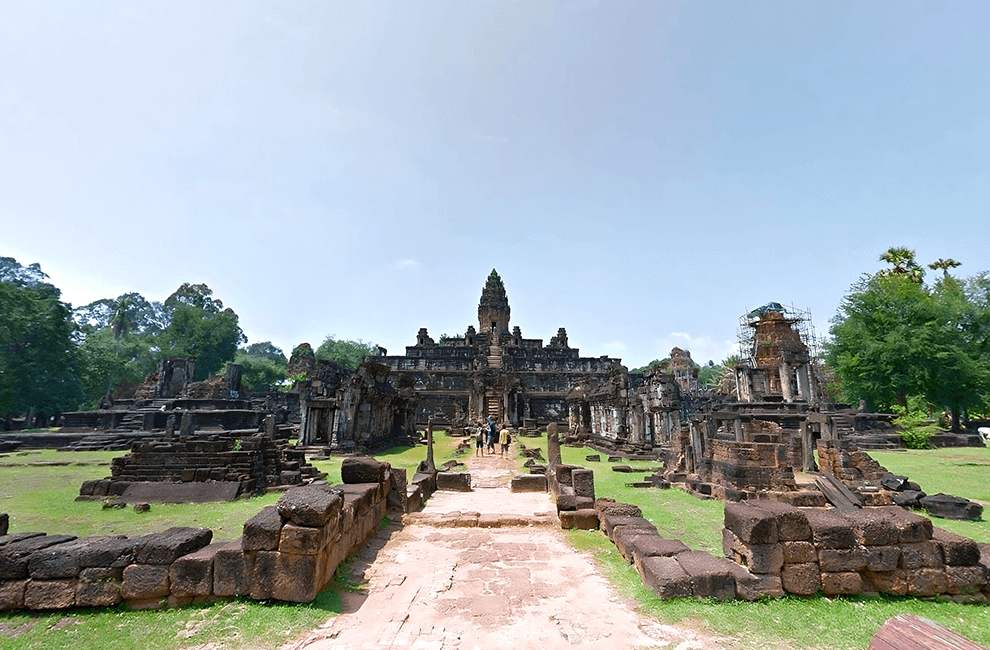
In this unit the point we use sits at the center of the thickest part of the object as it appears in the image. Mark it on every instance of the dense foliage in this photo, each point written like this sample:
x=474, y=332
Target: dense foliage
x=347, y=354
x=896, y=337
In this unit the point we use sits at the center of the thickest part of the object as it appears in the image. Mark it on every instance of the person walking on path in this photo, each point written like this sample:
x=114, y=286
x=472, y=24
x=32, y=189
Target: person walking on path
x=491, y=435
x=479, y=445
x=503, y=440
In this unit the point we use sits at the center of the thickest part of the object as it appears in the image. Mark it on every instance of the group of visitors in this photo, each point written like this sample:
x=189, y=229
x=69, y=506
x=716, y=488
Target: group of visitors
x=485, y=434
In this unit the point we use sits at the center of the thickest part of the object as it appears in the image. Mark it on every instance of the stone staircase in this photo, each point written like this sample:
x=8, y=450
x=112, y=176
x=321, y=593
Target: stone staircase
x=494, y=356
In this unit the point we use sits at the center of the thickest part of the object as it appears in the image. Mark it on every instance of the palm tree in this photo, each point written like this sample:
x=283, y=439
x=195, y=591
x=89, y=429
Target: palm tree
x=945, y=265
x=903, y=262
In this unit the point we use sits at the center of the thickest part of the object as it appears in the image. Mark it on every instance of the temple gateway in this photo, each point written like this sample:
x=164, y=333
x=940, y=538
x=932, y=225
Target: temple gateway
x=494, y=371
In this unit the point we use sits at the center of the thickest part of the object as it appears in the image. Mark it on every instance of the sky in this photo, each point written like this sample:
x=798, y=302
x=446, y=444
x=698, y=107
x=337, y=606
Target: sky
x=640, y=173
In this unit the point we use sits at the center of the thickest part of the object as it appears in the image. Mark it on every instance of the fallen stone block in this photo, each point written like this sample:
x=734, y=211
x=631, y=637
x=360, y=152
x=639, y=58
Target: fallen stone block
x=263, y=531
x=950, y=507
x=750, y=524
x=666, y=577
x=363, y=469
x=310, y=505
x=168, y=546
x=606, y=506
x=454, y=481
x=529, y=483
x=192, y=575
x=586, y=519
x=711, y=577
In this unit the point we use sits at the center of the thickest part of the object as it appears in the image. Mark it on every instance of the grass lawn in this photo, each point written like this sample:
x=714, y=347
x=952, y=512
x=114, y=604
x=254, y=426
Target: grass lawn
x=38, y=491
x=791, y=622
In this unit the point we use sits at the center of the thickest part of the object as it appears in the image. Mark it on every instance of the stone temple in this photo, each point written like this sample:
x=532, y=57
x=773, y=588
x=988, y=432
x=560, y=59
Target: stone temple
x=494, y=371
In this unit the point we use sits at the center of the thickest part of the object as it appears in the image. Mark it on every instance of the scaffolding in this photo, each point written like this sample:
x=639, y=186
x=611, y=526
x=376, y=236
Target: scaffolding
x=800, y=319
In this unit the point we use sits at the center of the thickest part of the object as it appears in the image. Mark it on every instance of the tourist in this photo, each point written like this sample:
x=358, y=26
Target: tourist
x=503, y=440
x=491, y=435
x=480, y=439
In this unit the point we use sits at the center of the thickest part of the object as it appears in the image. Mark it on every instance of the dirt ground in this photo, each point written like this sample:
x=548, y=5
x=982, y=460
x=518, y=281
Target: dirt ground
x=433, y=586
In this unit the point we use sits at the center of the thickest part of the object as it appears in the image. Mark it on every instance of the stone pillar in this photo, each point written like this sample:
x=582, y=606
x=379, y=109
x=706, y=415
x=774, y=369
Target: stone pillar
x=270, y=427
x=430, y=464
x=187, y=426
x=807, y=448
x=170, y=427
x=785, y=381
x=553, y=446
x=738, y=428
x=804, y=385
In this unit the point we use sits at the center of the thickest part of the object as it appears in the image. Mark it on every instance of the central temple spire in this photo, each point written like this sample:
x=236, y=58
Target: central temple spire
x=493, y=309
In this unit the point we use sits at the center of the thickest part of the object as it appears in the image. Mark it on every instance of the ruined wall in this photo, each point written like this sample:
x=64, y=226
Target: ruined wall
x=288, y=552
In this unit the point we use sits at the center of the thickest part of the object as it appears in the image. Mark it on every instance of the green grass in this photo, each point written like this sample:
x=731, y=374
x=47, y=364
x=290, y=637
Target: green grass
x=791, y=622
x=960, y=471
x=38, y=491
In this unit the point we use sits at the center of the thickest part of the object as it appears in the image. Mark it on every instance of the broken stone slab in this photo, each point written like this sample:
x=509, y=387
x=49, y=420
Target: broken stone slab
x=574, y=502
x=624, y=469
x=956, y=549
x=610, y=522
x=606, y=506
x=908, y=498
x=586, y=519
x=750, y=524
x=15, y=556
x=894, y=482
x=192, y=575
x=711, y=577
x=665, y=576
x=947, y=506
x=262, y=531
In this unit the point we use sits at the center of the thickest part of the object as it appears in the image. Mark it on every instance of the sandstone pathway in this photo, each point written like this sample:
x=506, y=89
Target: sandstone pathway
x=434, y=586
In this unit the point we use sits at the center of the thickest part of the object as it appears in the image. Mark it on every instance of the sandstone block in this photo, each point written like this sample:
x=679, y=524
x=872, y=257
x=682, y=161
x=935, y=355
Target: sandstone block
x=837, y=560
x=801, y=579
x=583, y=481
x=882, y=558
x=310, y=505
x=873, y=528
x=145, y=582
x=757, y=558
x=574, y=502
x=956, y=549
x=797, y=552
x=830, y=529
x=263, y=565
x=168, y=546
x=16, y=553
x=606, y=506
x=792, y=523
x=363, y=469
x=302, y=540
x=454, y=481
x=611, y=522
x=751, y=525
x=710, y=576
x=910, y=527
x=646, y=545
x=666, y=577
x=99, y=587
x=752, y=587
x=921, y=555
x=529, y=483
x=927, y=582
x=192, y=575
x=262, y=531
x=586, y=519
x=12, y=594
x=845, y=583
x=232, y=570
x=50, y=594
x=298, y=578
x=965, y=579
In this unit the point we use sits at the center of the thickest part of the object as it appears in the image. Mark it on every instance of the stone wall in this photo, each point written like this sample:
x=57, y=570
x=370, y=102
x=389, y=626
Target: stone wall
x=288, y=552
x=873, y=550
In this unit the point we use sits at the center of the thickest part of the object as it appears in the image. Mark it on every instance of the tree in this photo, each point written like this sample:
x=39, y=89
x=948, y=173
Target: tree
x=264, y=365
x=896, y=337
x=903, y=262
x=347, y=354
x=38, y=362
x=200, y=327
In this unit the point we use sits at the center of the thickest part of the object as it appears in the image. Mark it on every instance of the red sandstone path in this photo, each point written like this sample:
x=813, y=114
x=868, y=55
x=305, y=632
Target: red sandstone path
x=436, y=587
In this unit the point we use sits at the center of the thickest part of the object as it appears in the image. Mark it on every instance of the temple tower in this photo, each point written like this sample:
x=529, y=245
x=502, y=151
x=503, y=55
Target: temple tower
x=493, y=310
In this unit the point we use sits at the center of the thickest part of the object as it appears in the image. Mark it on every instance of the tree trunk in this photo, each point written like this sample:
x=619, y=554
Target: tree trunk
x=955, y=420
x=902, y=400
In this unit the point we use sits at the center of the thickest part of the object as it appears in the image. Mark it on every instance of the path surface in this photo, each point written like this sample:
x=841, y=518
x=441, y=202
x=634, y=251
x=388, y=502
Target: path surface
x=432, y=586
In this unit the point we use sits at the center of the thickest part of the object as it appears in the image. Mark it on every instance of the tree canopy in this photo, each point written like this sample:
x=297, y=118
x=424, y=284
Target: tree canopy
x=347, y=354
x=896, y=336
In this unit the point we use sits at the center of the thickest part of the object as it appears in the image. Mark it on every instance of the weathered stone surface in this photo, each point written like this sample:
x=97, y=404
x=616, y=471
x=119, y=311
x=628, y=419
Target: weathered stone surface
x=753, y=587
x=622, y=537
x=710, y=576
x=117, y=552
x=232, y=570
x=837, y=560
x=921, y=555
x=310, y=505
x=751, y=525
x=843, y=583
x=801, y=579
x=666, y=577
x=363, y=469
x=908, y=498
x=15, y=555
x=647, y=545
x=298, y=578
x=910, y=527
x=145, y=582
x=583, y=481
x=889, y=582
x=99, y=587
x=798, y=552
x=830, y=529
x=792, y=523
x=574, y=502
x=168, y=546
x=263, y=566
x=951, y=507
x=12, y=594
x=529, y=483
x=192, y=575
x=927, y=582
x=610, y=507
x=263, y=531
x=303, y=540
x=610, y=522
x=582, y=519
x=50, y=594
x=454, y=481
x=965, y=579
x=873, y=528
x=364, y=496
x=882, y=558
x=956, y=549
x=757, y=558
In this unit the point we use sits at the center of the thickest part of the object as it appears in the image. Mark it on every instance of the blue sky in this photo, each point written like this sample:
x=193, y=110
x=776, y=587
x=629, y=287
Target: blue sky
x=641, y=173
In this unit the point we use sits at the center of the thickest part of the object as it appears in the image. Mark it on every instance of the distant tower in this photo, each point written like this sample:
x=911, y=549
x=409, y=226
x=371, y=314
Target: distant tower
x=493, y=310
